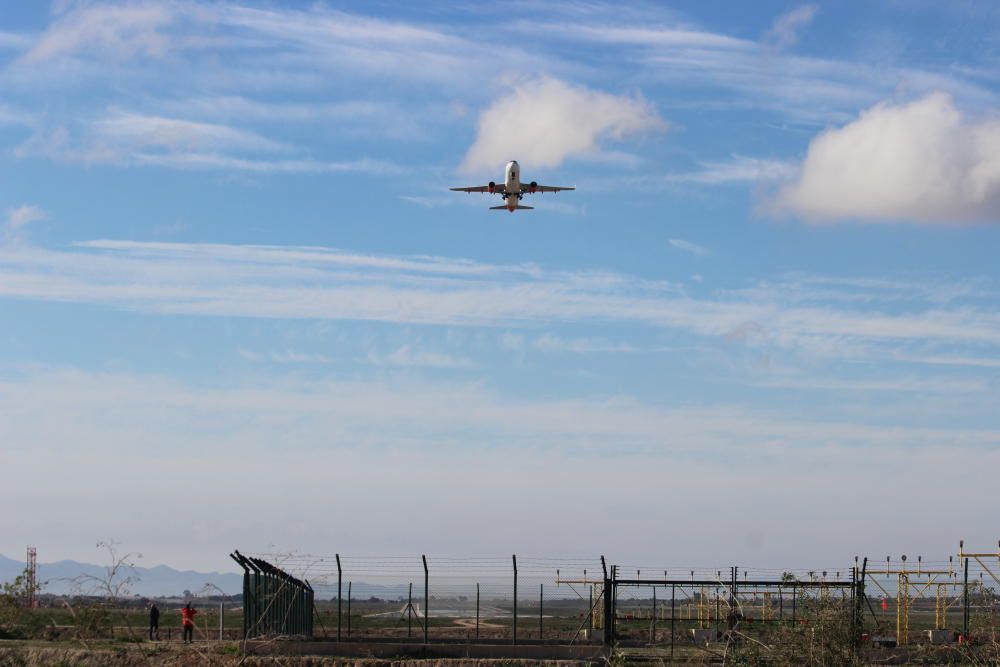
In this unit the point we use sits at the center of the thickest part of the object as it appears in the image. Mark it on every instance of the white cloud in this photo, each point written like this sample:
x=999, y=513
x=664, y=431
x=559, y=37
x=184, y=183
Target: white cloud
x=411, y=356
x=14, y=41
x=24, y=215
x=739, y=169
x=909, y=384
x=541, y=122
x=294, y=357
x=129, y=139
x=921, y=161
x=230, y=162
x=687, y=246
x=809, y=90
x=785, y=31
x=11, y=116
x=135, y=131
x=120, y=30
x=551, y=343
x=319, y=283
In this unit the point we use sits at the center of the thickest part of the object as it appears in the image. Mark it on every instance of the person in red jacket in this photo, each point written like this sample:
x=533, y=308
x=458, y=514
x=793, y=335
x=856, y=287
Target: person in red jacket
x=187, y=620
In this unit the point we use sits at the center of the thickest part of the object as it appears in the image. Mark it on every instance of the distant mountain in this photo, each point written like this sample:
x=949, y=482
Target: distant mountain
x=149, y=581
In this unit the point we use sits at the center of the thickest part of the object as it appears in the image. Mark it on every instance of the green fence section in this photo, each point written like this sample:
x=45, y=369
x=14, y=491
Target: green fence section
x=274, y=602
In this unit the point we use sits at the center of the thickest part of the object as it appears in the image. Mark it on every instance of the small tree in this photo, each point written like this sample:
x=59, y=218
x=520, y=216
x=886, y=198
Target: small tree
x=111, y=587
x=16, y=620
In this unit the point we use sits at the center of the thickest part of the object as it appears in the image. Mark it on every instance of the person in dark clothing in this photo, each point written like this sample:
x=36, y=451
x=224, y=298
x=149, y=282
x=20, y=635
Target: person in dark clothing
x=154, y=622
x=187, y=620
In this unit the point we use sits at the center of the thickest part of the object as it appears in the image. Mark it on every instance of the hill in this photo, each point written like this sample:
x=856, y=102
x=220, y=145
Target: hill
x=160, y=580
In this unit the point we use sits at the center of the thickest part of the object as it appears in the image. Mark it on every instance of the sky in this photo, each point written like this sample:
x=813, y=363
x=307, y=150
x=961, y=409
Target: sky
x=240, y=308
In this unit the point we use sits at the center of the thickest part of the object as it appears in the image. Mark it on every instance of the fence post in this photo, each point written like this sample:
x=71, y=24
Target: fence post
x=609, y=612
x=590, y=606
x=514, y=558
x=654, y=615
x=673, y=594
x=541, y=605
x=348, y=609
x=732, y=602
x=794, y=592
x=477, y=610
x=409, y=612
x=965, y=602
x=427, y=618
x=222, y=620
x=340, y=577
x=613, y=593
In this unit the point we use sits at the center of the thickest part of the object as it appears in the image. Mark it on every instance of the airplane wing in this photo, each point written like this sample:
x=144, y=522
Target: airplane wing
x=498, y=188
x=542, y=188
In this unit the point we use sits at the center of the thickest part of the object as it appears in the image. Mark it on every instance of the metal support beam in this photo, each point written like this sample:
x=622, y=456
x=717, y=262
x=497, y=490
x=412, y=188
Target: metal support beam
x=965, y=601
x=514, y=634
x=340, y=581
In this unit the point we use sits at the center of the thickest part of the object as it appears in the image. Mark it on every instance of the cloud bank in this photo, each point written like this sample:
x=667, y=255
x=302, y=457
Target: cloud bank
x=922, y=161
x=544, y=121
x=294, y=283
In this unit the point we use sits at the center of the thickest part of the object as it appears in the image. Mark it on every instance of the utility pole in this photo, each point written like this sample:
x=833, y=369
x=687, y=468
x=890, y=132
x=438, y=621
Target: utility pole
x=31, y=574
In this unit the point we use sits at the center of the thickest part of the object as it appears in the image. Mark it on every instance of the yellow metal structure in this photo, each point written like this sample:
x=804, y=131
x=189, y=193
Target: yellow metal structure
x=904, y=588
x=597, y=592
x=978, y=558
x=704, y=609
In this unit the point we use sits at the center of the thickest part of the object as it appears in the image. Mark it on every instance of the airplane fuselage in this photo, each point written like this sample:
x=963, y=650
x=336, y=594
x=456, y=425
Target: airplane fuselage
x=514, y=190
x=512, y=177
x=512, y=183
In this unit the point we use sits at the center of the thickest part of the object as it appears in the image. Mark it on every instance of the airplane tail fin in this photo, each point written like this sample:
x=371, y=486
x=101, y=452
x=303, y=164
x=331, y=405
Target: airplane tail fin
x=516, y=208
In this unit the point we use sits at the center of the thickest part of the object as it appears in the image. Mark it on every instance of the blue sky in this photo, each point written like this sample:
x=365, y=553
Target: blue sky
x=240, y=307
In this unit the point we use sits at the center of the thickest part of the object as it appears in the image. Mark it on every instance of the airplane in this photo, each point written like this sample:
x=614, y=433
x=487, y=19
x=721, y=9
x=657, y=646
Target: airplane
x=512, y=190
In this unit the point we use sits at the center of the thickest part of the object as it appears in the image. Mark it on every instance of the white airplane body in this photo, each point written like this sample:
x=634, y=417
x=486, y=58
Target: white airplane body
x=512, y=190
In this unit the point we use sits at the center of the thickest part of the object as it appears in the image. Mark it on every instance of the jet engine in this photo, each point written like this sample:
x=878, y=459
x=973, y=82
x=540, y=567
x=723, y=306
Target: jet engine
x=493, y=187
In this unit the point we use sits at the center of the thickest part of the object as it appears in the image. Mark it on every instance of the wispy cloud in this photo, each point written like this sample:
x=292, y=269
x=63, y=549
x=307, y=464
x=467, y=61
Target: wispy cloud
x=217, y=161
x=688, y=246
x=291, y=356
x=808, y=90
x=120, y=30
x=133, y=132
x=739, y=169
x=340, y=410
x=318, y=283
x=409, y=355
x=14, y=41
x=551, y=343
x=786, y=28
x=128, y=139
x=24, y=215
x=896, y=385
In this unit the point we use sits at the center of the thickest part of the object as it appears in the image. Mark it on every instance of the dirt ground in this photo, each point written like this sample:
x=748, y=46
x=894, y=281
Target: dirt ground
x=30, y=654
